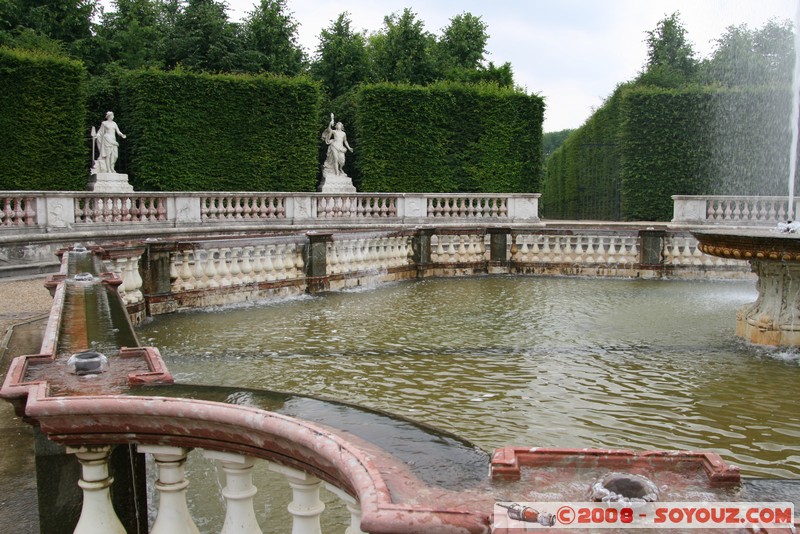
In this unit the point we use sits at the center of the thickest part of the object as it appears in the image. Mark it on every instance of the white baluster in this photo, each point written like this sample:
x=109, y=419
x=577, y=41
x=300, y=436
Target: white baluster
x=173, y=513
x=278, y=263
x=352, y=506
x=288, y=261
x=211, y=270
x=305, y=506
x=240, y=518
x=223, y=271
x=247, y=267
x=269, y=268
x=200, y=259
x=258, y=266
x=97, y=512
x=299, y=264
x=236, y=270
x=186, y=274
x=174, y=275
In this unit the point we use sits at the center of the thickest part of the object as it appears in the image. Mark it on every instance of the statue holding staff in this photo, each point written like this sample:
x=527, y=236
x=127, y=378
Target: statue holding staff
x=107, y=145
x=336, y=139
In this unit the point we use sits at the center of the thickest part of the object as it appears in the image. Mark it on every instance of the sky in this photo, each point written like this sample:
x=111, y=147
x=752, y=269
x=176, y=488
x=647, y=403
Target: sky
x=571, y=52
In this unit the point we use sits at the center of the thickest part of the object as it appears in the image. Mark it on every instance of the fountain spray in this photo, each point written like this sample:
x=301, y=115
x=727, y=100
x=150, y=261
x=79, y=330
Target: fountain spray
x=795, y=115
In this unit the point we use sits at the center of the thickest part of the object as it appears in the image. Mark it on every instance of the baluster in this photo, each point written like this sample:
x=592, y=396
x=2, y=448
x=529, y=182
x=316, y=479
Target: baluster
x=240, y=518
x=299, y=264
x=186, y=275
x=352, y=506
x=235, y=270
x=223, y=272
x=306, y=507
x=173, y=513
x=174, y=276
x=211, y=269
x=288, y=262
x=258, y=267
x=279, y=263
x=97, y=511
x=199, y=271
x=247, y=267
x=269, y=268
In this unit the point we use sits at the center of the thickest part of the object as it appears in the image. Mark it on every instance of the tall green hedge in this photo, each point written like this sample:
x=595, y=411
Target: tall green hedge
x=647, y=144
x=200, y=132
x=701, y=141
x=448, y=138
x=42, y=122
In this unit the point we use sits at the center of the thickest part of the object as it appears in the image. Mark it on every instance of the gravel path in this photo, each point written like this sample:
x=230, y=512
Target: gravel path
x=22, y=299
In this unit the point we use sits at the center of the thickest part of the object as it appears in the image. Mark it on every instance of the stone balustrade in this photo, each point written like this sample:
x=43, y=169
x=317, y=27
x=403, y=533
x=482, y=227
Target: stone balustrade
x=55, y=211
x=731, y=210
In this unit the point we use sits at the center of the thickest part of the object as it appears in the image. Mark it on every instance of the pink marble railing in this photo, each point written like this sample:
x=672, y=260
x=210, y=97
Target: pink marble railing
x=105, y=208
x=17, y=210
x=53, y=211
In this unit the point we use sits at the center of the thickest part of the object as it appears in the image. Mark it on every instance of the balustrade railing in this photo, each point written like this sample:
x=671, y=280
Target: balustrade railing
x=54, y=211
x=731, y=210
x=614, y=249
x=17, y=210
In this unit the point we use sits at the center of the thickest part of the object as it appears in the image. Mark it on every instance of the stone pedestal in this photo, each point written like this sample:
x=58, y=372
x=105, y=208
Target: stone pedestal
x=337, y=183
x=774, y=318
x=109, y=182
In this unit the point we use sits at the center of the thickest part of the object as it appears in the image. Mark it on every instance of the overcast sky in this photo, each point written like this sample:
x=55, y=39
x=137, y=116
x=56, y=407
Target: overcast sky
x=571, y=52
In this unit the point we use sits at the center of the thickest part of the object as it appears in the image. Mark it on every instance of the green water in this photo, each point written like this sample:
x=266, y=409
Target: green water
x=548, y=362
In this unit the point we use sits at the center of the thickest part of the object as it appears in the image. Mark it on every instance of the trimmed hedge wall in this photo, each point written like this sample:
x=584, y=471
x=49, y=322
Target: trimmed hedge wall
x=200, y=132
x=448, y=138
x=664, y=142
x=42, y=121
x=582, y=178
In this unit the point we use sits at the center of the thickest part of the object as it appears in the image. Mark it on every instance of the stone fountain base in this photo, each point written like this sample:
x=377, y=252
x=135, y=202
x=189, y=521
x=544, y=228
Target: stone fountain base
x=774, y=318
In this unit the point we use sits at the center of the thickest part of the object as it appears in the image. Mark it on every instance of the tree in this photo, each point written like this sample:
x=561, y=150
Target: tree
x=131, y=36
x=271, y=33
x=745, y=57
x=341, y=57
x=463, y=42
x=403, y=50
x=670, y=57
x=202, y=38
x=65, y=21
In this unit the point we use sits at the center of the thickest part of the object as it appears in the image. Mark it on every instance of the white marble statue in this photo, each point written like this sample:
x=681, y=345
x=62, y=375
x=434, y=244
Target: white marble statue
x=105, y=151
x=336, y=140
x=107, y=145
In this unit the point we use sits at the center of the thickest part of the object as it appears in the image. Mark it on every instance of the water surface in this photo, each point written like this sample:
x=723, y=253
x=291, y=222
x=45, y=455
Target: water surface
x=548, y=362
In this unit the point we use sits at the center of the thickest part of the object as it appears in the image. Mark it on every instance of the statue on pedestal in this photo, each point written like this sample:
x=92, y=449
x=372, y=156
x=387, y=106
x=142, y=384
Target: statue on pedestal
x=335, y=180
x=105, y=147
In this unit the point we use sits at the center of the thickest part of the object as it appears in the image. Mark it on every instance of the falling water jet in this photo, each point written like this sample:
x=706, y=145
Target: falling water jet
x=795, y=115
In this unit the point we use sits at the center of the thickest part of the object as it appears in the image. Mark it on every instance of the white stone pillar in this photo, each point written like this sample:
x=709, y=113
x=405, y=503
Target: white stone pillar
x=97, y=512
x=306, y=507
x=240, y=518
x=173, y=513
x=353, y=507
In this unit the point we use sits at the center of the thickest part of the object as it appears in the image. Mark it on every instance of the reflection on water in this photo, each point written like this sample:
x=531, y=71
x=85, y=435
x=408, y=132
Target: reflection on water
x=519, y=361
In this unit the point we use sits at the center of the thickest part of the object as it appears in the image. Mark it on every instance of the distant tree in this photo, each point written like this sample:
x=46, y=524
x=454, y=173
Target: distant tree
x=202, y=38
x=62, y=20
x=131, y=36
x=341, y=57
x=671, y=58
x=271, y=33
x=752, y=57
x=463, y=43
x=403, y=51
x=552, y=140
